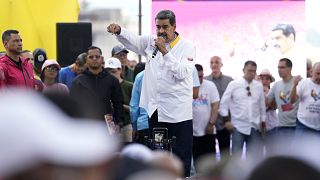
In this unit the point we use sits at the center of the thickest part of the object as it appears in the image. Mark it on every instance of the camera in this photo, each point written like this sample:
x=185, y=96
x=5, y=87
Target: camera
x=160, y=140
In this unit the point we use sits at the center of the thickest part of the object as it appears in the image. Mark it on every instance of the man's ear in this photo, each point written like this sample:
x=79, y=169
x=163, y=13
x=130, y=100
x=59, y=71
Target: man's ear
x=5, y=44
x=291, y=36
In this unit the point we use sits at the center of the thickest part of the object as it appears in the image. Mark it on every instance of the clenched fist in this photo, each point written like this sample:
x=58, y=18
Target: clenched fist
x=114, y=29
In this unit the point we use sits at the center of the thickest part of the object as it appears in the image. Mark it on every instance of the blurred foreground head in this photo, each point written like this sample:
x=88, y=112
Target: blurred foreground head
x=47, y=144
x=282, y=167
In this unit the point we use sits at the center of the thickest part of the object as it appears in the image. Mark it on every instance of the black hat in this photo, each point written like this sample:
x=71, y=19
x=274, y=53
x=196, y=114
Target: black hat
x=40, y=56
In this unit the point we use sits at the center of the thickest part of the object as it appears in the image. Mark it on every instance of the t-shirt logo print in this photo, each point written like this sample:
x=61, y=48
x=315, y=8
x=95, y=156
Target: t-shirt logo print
x=314, y=94
x=284, y=97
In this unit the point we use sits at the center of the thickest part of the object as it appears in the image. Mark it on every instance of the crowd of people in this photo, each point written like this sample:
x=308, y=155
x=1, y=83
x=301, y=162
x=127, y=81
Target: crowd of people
x=231, y=120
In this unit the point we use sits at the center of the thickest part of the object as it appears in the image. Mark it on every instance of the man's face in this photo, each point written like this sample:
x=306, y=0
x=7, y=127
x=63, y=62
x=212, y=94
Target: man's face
x=215, y=64
x=316, y=74
x=283, y=69
x=282, y=42
x=132, y=64
x=28, y=56
x=165, y=29
x=80, y=68
x=14, y=44
x=123, y=57
x=250, y=72
x=94, y=59
x=115, y=72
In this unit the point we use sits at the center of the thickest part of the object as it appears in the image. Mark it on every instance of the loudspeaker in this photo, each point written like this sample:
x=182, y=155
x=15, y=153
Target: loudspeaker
x=72, y=39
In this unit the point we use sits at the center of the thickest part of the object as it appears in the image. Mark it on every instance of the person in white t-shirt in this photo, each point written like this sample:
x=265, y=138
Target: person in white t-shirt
x=307, y=91
x=205, y=112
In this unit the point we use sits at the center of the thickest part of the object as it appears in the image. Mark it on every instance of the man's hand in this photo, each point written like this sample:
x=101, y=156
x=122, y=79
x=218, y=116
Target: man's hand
x=135, y=135
x=160, y=43
x=114, y=29
x=209, y=128
x=296, y=80
x=229, y=126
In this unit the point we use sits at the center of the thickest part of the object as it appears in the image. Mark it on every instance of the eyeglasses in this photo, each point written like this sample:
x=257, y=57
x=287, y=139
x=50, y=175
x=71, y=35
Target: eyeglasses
x=51, y=68
x=248, y=89
x=94, y=56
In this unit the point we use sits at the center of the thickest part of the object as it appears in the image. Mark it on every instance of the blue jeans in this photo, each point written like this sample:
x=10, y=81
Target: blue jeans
x=301, y=130
x=253, y=142
x=283, y=139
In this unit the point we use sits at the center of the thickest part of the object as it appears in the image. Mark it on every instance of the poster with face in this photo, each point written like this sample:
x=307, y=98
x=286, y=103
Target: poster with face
x=238, y=31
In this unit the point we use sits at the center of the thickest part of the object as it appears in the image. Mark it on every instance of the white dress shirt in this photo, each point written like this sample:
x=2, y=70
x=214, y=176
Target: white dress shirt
x=246, y=111
x=167, y=83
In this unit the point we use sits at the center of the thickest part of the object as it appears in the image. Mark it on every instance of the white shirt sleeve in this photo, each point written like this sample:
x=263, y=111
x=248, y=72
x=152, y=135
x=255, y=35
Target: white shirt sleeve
x=225, y=100
x=133, y=42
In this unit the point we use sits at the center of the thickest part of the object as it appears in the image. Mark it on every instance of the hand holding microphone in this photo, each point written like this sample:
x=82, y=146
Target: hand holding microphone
x=160, y=46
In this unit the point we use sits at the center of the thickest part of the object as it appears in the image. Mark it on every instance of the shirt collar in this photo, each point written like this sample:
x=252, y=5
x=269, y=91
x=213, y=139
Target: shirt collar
x=175, y=41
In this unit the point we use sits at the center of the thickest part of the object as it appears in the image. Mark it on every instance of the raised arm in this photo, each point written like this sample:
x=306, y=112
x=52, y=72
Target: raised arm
x=135, y=43
x=293, y=94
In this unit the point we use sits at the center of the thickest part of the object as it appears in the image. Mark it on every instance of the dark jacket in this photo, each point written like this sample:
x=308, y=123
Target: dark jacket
x=15, y=74
x=101, y=94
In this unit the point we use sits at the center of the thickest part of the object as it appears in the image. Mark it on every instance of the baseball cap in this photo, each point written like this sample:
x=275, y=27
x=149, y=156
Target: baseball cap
x=29, y=138
x=50, y=62
x=266, y=72
x=118, y=48
x=40, y=56
x=113, y=63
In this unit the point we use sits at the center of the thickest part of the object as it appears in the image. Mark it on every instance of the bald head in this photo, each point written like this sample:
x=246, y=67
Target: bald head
x=215, y=65
x=316, y=73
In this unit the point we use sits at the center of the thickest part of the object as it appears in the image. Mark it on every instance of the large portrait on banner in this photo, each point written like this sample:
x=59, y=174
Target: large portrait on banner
x=238, y=31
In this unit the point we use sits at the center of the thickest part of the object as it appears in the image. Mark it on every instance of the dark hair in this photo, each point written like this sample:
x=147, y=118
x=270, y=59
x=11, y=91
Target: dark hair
x=198, y=67
x=94, y=47
x=81, y=59
x=167, y=14
x=287, y=29
x=6, y=34
x=67, y=104
x=281, y=167
x=288, y=62
x=139, y=67
x=249, y=62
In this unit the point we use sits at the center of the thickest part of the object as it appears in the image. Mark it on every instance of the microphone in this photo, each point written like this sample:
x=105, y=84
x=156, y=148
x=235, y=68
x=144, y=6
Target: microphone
x=157, y=49
x=155, y=52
